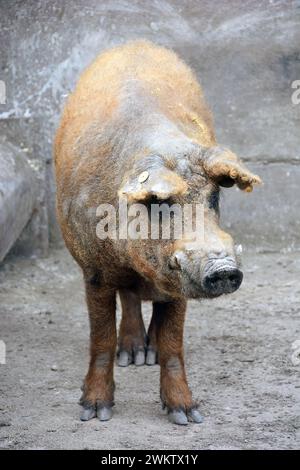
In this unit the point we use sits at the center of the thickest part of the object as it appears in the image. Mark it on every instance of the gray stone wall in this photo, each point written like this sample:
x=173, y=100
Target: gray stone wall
x=245, y=53
x=18, y=195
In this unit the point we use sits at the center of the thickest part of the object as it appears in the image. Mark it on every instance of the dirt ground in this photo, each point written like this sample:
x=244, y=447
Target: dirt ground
x=238, y=354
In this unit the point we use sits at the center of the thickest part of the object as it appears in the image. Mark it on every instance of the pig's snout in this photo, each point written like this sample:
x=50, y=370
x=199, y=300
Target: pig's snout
x=221, y=276
x=216, y=275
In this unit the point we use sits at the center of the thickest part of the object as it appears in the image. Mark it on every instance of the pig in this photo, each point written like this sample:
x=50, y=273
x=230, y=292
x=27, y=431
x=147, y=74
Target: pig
x=137, y=126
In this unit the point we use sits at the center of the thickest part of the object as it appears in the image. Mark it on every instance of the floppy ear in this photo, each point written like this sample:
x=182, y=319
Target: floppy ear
x=150, y=177
x=226, y=169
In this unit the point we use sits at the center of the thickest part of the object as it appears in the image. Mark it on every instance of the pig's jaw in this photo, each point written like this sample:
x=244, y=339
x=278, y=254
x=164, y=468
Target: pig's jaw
x=192, y=289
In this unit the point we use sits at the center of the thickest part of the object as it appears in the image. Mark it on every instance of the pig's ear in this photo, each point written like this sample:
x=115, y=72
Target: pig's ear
x=146, y=181
x=226, y=169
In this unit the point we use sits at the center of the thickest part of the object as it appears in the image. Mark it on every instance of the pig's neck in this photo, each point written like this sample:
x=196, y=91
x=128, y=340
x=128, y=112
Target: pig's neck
x=162, y=136
x=147, y=127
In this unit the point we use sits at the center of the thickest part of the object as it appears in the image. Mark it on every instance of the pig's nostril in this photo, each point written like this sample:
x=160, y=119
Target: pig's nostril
x=223, y=281
x=214, y=279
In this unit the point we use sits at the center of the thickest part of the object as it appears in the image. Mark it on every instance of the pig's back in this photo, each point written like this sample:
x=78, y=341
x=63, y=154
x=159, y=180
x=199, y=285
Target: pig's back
x=99, y=94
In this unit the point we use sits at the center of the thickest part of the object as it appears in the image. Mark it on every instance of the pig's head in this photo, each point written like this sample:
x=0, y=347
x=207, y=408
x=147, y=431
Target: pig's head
x=209, y=266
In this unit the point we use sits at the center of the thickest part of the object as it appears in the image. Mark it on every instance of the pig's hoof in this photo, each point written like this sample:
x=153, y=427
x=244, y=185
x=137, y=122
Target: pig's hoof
x=124, y=359
x=178, y=417
x=139, y=357
x=195, y=416
x=182, y=418
x=151, y=357
x=103, y=412
x=136, y=357
x=88, y=413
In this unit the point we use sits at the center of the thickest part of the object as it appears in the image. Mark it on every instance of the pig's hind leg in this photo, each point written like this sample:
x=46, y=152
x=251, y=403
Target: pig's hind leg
x=151, y=356
x=98, y=389
x=132, y=335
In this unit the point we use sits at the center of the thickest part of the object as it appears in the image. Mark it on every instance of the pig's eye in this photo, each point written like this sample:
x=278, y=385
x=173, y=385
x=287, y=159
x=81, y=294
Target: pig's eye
x=213, y=200
x=155, y=200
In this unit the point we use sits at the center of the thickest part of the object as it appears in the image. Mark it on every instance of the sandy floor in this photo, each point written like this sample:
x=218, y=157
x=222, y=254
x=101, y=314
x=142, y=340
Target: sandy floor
x=238, y=355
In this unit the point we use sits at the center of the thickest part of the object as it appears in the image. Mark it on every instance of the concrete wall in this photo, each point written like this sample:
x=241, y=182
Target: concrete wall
x=18, y=195
x=245, y=53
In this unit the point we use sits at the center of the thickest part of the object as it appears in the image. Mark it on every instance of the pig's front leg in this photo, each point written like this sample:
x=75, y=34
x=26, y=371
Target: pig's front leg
x=175, y=393
x=98, y=389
